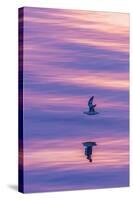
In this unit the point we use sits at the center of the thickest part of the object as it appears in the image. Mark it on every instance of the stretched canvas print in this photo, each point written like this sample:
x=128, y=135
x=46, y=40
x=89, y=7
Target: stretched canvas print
x=73, y=99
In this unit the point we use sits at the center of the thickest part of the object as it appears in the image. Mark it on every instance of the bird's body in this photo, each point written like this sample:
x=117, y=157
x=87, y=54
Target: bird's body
x=90, y=104
x=91, y=107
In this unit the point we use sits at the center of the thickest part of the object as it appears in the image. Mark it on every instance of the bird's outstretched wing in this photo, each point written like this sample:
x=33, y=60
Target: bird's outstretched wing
x=90, y=102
